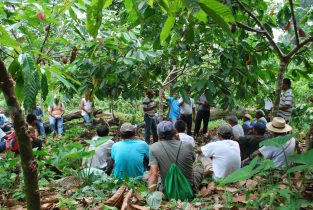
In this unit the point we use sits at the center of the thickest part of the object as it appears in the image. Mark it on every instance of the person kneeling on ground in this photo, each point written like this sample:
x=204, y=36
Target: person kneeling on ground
x=169, y=150
x=102, y=157
x=129, y=154
x=33, y=133
x=225, y=153
x=278, y=127
x=180, y=127
x=248, y=144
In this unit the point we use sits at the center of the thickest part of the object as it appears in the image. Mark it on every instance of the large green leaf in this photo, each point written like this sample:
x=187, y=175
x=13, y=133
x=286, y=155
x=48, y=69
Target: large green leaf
x=185, y=96
x=44, y=87
x=277, y=141
x=304, y=158
x=6, y=40
x=166, y=30
x=220, y=13
x=31, y=81
x=94, y=15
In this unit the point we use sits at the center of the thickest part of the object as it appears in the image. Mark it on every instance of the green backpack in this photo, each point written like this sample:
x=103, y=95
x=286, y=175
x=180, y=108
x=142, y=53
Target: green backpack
x=176, y=185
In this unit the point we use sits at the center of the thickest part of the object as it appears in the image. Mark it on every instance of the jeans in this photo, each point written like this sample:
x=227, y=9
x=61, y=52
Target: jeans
x=188, y=120
x=40, y=128
x=88, y=119
x=205, y=116
x=58, y=122
x=150, y=125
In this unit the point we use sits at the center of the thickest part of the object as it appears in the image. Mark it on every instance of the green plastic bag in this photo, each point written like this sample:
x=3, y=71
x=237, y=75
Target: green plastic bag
x=176, y=185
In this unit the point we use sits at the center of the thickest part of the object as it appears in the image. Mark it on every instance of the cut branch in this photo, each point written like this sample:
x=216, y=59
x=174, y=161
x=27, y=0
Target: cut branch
x=266, y=33
x=295, y=50
x=29, y=165
x=294, y=22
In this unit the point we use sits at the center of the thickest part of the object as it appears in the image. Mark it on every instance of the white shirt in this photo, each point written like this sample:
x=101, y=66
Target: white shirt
x=187, y=138
x=225, y=156
x=103, y=152
x=277, y=154
x=186, y=109
x=2, y=134
x=87, y=106
x=238, y=131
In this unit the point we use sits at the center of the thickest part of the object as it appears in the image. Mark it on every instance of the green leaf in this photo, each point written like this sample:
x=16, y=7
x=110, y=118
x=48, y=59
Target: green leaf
x=220, y=13
x=99, y=141
x=166, y=30
x=6, y=40
x=150, y=3
x=304, y=158
x=201, y=16
x=185, y=96
x=298, y=168
x=44, y=87
x=31, y=80
x=277, y=141
x=94, y=17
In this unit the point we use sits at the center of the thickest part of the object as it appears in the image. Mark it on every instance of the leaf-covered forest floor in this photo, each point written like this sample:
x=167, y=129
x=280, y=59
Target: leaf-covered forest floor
x=65, y=184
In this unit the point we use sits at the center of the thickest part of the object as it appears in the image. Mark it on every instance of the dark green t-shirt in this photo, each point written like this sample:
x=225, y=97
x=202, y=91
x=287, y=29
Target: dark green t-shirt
x=249, y=144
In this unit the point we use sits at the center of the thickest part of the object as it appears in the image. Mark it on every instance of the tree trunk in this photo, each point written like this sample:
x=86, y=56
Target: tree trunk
x=279, y=82
x=309, y=139
x=29, y=165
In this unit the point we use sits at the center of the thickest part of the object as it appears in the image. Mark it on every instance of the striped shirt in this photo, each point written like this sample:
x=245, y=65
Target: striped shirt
x=147, y=104
x=286, y=99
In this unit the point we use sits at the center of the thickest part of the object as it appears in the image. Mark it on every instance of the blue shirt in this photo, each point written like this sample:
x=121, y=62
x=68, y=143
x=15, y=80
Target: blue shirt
x=174, y=108
x=37, y=111
x=128, y=156
x=3, y=119
x=247, y=125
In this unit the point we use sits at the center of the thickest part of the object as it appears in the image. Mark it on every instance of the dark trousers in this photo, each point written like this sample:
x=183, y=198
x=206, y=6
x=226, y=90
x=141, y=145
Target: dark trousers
x=205, y=116
x=188, y=120
x=150, y=125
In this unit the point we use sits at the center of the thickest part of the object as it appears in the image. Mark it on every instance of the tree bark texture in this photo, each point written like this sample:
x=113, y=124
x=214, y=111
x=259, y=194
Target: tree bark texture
x=29, y=165
x=279, y=82
x=309, y=139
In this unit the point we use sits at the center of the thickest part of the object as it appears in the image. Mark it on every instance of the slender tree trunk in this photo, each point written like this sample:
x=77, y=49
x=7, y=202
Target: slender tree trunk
x=29, y=165
x=309, y=139
x=279, y=82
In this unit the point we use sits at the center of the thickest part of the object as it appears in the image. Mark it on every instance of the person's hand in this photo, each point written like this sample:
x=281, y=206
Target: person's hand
x=57, y=116
x=245, y=161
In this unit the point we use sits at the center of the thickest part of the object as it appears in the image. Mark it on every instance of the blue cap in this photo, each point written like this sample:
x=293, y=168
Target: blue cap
x=165, y=128
x=259, y=125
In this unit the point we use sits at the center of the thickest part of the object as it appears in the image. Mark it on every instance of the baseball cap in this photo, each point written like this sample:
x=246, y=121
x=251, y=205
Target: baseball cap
x=127, y=127
x=232, y=118
x=225, y=130
x=165, y=127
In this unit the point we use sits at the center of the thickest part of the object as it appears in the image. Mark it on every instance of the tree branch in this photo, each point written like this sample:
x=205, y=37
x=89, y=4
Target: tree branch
x=266, y=33
x=294, y=22
x=295, y=50
x=248, y=28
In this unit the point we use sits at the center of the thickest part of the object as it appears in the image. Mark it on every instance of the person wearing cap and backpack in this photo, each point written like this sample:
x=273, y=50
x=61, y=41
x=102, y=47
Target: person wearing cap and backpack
x=129, y=154
x=173, y=160
x=278, y=127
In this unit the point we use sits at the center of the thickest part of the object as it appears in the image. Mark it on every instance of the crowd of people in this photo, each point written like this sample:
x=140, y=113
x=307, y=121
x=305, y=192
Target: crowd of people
x=172, y=141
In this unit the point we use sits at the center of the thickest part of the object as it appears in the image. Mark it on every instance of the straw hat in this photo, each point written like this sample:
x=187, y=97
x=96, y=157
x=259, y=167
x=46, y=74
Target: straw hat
x=278, y=125
x=246, y=115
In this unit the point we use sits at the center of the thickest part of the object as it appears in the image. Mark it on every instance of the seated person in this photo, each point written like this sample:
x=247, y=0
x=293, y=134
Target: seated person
x=246, y=126
x=2, y=140
x=237, y=128
x=259, y=115
x=102, y=157
x=56, y=111
x=5, y=124
x=225, y=153
x=180, y=127
x=37, y=111
x=277, y=127
x=129, y=154
x=248, y=144
x=33, y=133
x=87, y=108
x=168, y=150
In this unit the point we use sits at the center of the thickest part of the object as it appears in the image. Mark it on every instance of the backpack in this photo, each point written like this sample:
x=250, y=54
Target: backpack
x=176, y=185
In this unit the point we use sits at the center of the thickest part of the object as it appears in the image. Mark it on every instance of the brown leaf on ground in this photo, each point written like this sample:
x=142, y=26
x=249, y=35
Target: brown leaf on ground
x=228, y=189
x=118, y=197
x=242, y=198
x=51, y=199
x=137, y=207
x=126, y=199
x=47, y=206
x=11, y=203
x=218, y=206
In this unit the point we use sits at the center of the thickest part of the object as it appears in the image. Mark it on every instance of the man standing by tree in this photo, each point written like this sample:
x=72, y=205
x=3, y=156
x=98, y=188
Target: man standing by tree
x=203, y=114
x=149, y=108
x=174, y=111
x=286, y=101
x=187, y=111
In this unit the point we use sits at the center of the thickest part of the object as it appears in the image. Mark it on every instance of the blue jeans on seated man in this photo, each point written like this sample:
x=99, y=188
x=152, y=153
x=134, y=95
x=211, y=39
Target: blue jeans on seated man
x=56, y=122
x=88, y=119
x=2, y=145
x=41, y=128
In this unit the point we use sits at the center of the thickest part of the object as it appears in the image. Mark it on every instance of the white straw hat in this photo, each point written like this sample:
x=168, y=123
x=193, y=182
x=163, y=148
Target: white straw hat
x=278, y=125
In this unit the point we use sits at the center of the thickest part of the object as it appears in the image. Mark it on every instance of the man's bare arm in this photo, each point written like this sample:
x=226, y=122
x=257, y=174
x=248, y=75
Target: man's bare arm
x=153, y=178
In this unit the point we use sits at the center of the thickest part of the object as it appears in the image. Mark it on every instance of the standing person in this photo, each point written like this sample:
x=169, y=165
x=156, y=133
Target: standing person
x=225, y=153
x=187, y=112
x=56, y=111
x=129, y=154
x=37, y=111
x=149, y=108
x=237, y=128
x=279, y=155
x=87, y=108
x=203, y=114
x=286, y=101
x=174, y=106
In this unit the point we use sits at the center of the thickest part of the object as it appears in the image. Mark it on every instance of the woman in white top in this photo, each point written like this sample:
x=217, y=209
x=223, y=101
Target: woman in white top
x=87, y=108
